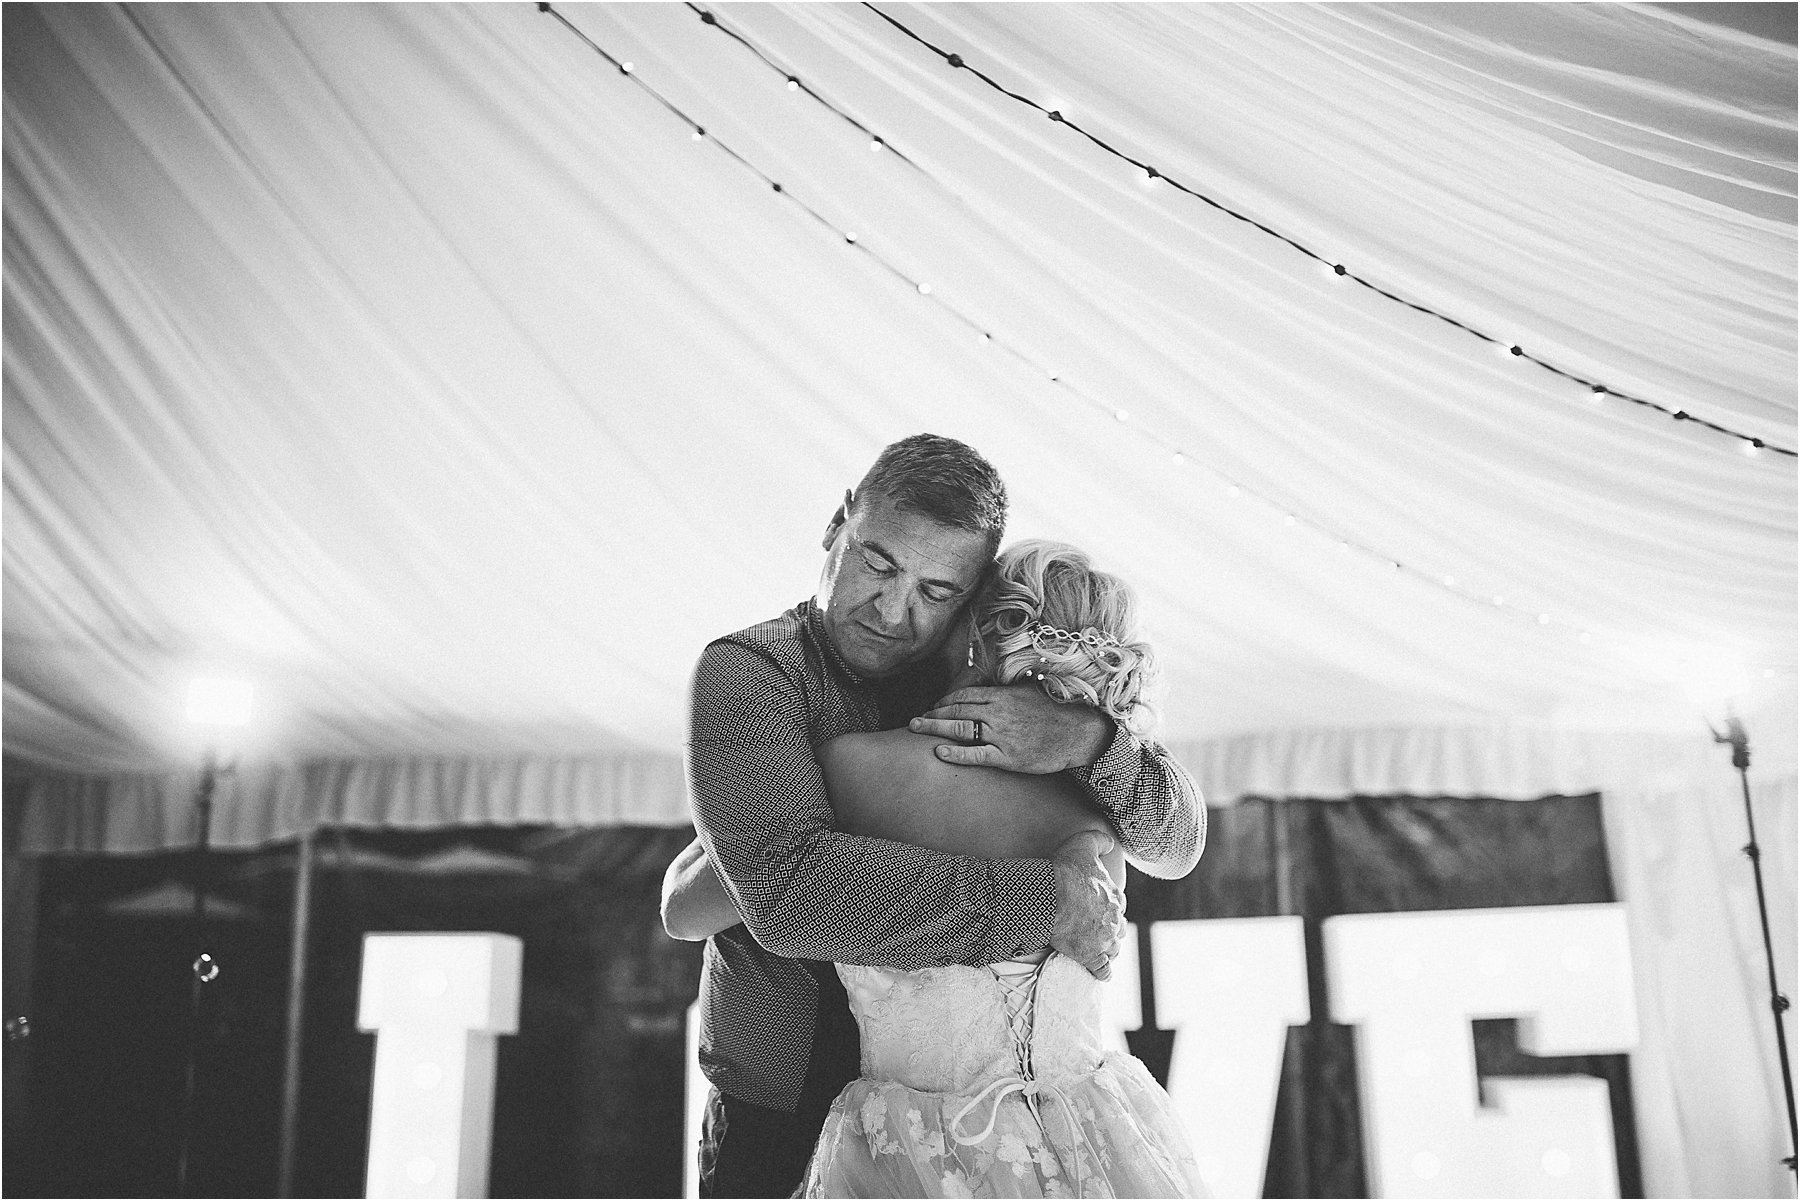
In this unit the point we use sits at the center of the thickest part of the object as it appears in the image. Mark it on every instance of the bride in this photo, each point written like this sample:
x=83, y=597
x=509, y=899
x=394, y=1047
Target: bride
x=989, y=1081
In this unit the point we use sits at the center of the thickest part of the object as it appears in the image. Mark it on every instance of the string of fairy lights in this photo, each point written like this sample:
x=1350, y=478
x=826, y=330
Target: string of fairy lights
x=1492, y=602
x=1597, y=391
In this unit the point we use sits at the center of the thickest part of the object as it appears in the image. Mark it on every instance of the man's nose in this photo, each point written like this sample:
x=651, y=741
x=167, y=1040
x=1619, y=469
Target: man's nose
x=890, y=606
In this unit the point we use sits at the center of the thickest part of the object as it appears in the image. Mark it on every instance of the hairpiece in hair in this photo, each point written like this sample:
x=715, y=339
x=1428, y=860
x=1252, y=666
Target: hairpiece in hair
x=1042, y=632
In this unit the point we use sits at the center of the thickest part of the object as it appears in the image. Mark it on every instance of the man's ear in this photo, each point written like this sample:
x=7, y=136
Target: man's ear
x=838, y=519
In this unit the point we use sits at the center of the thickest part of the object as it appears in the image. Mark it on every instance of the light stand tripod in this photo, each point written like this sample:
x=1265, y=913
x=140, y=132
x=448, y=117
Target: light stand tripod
x=205, y=967
x=1739, y=742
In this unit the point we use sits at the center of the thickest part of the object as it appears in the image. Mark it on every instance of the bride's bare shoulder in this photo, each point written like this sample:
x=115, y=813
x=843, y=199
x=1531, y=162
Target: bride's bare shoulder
x=881, y=747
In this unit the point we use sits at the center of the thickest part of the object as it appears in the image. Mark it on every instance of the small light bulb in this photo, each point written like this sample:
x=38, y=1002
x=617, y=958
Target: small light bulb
x=1394, y=563
x=1751, y=447
x=793, y=84
x=628, y=68
x=1121, y=415
x=985, y=339
x=874, y=145
x=924, y=289
x=698, y=133
x=850, y=237
x=1178, y=458
x=1288, y=519
x=1598, y=394
x=1055, y=375
x=1149, y=177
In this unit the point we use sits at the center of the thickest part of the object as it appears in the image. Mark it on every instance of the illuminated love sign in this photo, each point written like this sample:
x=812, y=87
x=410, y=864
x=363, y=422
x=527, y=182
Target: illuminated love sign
x=437, y=1004
x=1230, y=987
x=1412, y=982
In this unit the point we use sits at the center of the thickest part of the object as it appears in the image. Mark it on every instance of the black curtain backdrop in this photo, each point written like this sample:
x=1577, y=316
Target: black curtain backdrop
x=1320, y=858
x=590, y=1091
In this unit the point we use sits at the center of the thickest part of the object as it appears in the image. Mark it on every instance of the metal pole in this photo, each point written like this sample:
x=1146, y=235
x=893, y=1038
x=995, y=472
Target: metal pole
x=296, y=1012
x=204, y=968
x=1778, y=1003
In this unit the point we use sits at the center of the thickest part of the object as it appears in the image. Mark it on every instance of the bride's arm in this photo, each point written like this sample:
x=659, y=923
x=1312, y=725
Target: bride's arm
x=891, y=785
x=695, y=905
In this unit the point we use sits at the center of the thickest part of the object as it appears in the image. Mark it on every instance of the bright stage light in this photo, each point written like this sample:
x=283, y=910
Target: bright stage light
x=217, y=701
x=1709, y=676
x=1708, y=680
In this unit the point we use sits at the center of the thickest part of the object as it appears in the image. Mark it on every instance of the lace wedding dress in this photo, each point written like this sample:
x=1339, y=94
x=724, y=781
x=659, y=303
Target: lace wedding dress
x=992, y=1082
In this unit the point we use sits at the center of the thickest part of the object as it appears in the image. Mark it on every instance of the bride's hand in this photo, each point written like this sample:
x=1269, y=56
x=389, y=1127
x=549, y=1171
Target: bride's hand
x=1021, y=730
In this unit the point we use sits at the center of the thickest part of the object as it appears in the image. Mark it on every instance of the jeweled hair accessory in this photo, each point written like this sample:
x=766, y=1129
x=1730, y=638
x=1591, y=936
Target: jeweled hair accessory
x=1042, y=632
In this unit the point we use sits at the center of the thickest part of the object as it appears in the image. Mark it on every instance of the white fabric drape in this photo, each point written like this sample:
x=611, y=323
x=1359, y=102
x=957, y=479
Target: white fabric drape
x=411, y=362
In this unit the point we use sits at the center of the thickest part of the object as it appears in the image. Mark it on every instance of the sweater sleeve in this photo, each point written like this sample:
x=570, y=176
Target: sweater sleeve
x=1153, y=802
x=808, y=891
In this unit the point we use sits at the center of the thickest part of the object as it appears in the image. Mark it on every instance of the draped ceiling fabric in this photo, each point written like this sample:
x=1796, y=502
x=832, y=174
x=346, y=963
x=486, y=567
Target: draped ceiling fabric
x=416, y=365
x=413, y=363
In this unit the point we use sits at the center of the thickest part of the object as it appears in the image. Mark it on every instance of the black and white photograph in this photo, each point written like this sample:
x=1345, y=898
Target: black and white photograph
x=920, y=599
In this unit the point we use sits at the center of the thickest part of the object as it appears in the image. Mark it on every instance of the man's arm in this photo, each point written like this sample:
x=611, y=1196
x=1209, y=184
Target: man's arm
x=809, y=892
x=695, y=905
x=1152, y=801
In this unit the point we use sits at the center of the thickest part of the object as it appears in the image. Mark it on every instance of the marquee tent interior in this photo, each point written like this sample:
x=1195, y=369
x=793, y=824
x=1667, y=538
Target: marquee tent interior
x=454, y=385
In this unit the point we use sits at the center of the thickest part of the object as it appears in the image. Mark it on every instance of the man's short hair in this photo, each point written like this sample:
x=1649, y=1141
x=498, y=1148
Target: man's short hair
x=943, y=479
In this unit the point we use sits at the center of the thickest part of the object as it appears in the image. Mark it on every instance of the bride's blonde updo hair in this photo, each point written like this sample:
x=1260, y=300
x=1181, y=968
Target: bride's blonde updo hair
x=1049, y=617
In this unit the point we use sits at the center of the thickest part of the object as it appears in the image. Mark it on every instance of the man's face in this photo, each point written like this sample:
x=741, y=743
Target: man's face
x=894, y=583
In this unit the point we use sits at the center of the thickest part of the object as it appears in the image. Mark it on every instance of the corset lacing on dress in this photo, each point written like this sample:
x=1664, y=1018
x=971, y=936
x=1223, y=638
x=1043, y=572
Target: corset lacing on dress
x=1018, y=980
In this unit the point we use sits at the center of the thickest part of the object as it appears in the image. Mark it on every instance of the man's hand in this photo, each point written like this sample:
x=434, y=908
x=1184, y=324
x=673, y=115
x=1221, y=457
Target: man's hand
x=1021, y=730
x=1090, y=908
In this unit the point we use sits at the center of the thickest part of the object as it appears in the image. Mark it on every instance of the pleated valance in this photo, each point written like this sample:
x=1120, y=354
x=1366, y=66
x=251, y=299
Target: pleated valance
x=132, y=813
x=140, y=813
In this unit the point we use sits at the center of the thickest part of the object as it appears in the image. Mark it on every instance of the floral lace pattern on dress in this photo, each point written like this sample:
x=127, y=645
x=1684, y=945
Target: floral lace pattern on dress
x=960, y=1098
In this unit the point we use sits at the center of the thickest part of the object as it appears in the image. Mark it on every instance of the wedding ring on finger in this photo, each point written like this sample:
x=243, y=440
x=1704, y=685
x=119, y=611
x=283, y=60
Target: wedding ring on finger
x=977, y=738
